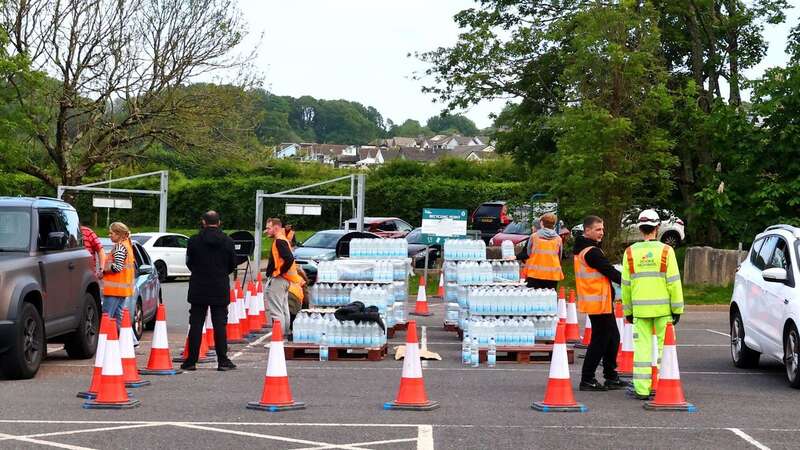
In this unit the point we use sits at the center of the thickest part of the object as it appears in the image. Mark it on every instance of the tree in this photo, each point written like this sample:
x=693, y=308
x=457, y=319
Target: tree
x=452, y=124
x=117, y=72
x=410, y=128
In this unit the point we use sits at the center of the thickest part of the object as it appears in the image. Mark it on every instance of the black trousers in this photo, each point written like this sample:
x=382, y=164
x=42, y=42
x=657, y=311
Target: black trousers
x=219, y=318
x=541, y=284
x=604, y=345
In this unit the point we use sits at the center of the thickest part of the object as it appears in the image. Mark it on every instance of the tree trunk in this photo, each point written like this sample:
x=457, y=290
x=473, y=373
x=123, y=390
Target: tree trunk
x=734, y=98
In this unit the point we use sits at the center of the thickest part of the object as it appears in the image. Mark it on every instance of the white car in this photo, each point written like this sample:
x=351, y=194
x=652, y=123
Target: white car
x=765, y=306
x=167, y=251
x=672, y=230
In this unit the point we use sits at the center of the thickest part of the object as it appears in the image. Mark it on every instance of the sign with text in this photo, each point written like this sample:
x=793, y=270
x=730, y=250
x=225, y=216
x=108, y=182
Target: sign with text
x=303, y=210
x=441, y=224
x=109, y=202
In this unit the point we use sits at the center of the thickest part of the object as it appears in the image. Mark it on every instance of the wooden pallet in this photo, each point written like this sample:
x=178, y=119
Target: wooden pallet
x=537, y=354
x=311, y=352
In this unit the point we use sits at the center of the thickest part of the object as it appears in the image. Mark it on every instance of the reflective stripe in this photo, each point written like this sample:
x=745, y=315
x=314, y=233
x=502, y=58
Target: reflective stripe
x=588, y=276
x=543, y=268
x=590, y=298
x=115, y=284
x=647, y=275
x=673, y=278
x=677, y=305
x=642, y=376
x=660, y=301
x=545, y=252
x=642, y=364
x=626, y=282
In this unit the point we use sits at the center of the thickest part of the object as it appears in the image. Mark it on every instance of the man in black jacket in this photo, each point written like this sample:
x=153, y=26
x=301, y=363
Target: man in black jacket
x=605, y=334
x=211, y=259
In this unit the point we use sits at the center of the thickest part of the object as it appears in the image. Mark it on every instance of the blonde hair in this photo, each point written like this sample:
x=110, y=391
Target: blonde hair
x=121, y=229
x=548, y=220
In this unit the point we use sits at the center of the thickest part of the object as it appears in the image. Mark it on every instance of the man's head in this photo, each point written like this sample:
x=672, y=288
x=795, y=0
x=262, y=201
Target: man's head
x=593, y=228
x=210, y=219
x=274, y=226
x=548, y=221
x=649, y=222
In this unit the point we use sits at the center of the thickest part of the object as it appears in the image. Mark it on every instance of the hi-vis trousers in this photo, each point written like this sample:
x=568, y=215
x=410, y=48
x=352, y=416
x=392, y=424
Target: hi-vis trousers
x=643, y=349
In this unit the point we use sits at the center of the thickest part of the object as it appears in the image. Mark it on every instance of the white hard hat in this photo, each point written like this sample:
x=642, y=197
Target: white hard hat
x=649, y=217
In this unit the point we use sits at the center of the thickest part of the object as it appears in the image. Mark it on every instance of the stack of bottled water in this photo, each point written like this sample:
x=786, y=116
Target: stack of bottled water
x=464, y=250
x=485, y=272
x=373, y=295
x=309, y=328
x=507, y=249
x=338, y=294
x=383, y=271
x=330, y=294
x=511, y=331
x=506, y=271
x=327, y=272
x=512, y=301
x=378, y=249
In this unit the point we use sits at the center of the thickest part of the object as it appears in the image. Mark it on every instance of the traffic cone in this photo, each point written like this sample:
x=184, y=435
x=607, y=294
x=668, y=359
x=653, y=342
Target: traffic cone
x=421, y=308
x=562, y=305
x=130, y=374
x=253, y=312
x=237, y=287
x=241, y=310
x=625, y=357
x=112, y=393
x=654, y=363
x=97, y=371
x=202, y=356
x=276, y=395
x=558, y=397
x=587, y=334
x=159, y=362
x=669, y=396
x=232, y=329
x=440, y=291
x=572, y=332
x=262, y=306
x=412, y=395
x=620, y=327
x=210, y=331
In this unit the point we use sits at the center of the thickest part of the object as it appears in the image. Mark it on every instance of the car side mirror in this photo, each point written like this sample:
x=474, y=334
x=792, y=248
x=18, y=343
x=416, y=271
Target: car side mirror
x=56, y=240
x=775, y=274
x=146, y=269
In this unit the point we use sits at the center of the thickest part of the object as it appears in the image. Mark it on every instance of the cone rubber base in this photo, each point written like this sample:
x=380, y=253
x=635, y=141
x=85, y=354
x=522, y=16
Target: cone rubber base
x=428, y=314
x=92, y=404
x=87, y=395
x=160, y=372
x=429, y=406
x=275, y=408
x=540, y=406
x=137, y=384
x=203, y=360
x=688, y=407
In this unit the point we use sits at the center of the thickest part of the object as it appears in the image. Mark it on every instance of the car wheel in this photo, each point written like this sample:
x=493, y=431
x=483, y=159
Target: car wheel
x=791, y=356
x=82, y=343
x=161, y=269
x=23, y=359
x=672, y=239
x=743, y=356
x=138, y=320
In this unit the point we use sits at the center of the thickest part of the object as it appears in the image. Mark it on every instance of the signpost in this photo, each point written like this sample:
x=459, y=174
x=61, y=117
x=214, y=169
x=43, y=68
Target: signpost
x=303, y=210
x=438, y=225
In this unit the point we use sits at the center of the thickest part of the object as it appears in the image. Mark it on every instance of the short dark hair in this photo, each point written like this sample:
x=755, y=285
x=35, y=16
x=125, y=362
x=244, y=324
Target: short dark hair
x=647, y=229
x=211, y=217
x=275, y=221
x=589, y=221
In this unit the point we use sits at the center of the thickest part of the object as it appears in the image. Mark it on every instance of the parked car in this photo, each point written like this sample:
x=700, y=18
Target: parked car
x=48, y=287
x=490, y=218
x=147, y=289
x=168, y=251
x=385, y=227
x=765, y=305
x=417, y=249
x=519, y=233
x=325, y=245
x=671, y=231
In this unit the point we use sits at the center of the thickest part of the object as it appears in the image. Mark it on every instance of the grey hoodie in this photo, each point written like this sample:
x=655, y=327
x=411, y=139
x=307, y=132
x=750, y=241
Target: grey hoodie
x=544, y=233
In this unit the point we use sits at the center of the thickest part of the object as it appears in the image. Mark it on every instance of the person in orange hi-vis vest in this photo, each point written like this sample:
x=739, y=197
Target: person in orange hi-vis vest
x=283, y=271
x=118, y=273
x=290, y=236
x=593, y=277
x=542, y=270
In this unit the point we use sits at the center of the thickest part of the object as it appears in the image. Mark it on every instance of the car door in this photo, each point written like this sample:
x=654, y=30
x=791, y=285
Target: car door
x=168, y=249
x=146, y=282
x=744, y=291
x=777, y=296
x=80, y=257
x=181, y=243
x=758, y=301
x=56, y=268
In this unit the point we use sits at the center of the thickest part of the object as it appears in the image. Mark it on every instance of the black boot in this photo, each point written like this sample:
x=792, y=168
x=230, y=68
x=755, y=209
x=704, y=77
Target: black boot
x=591, y=385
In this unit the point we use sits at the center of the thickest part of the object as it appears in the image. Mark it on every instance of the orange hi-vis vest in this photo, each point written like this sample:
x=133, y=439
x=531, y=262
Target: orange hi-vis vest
x=291, y=275
x=594, y=288
x=544, y=261
x=120, y=284
x=290, y=237
x=296, y=289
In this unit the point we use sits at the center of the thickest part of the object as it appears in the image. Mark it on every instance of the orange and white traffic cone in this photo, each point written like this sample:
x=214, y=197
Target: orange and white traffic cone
x=412, y=395
x=572, y=332
x=620, y=326
x=669, y=396
x=440, y=290
x=558, y=396
x=625, y=357
x=253, y=312
x=97, y=371
x=232, y=329
x=241, y=310
x=112, y=393
x=276, y=395
x=587, y=334
x=160, y=362
x=654, y=361
x=562, y=305
x=202, y=356
x=421, y=308
x=130, y=374
x=262, y=306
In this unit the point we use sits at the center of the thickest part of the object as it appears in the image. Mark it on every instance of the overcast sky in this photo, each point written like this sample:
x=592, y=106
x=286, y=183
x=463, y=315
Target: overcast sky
x=356, y=50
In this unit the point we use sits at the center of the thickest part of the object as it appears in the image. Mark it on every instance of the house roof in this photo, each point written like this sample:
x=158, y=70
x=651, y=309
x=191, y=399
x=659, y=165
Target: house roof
x=413, y=154
x=399, y=141
x=466, y=149
x=390, y=155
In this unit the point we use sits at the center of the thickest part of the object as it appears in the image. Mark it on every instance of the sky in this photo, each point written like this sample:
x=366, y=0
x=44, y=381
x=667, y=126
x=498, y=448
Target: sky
x=357, y=50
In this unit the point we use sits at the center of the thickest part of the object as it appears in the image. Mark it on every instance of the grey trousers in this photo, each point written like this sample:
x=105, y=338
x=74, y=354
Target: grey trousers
x=278, y=298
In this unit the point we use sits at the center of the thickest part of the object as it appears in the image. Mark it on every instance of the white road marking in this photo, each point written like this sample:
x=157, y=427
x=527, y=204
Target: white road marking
x=251, y=345
x=749, y=439
x=90, y=430
x=40, y=442
x=359, y=444
x=264, y=436
x=425, y=437
x=718, y=332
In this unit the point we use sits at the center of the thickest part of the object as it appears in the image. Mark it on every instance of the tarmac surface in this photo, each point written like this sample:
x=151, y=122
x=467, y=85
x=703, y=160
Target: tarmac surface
x=480, y=407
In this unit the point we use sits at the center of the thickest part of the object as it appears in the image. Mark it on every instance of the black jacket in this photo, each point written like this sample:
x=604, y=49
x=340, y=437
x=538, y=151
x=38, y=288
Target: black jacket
x=596, y=259
x=210, y=258
x=285, y=252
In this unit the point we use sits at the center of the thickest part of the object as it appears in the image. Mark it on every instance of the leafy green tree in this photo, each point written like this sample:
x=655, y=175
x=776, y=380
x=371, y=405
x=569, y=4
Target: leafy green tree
x=452, y=123
x=409, y=128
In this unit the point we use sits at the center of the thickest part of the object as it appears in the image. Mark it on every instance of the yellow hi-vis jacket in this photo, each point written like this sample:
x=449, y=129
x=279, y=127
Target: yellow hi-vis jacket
x=651, y=283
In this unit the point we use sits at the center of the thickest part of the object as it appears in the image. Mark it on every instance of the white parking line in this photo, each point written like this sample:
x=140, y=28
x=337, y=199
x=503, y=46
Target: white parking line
x=251, y=345
x=718, y=332
x=749, y=439
x=90, y=430
x=40, y=442
x=265, y=436
x=425, y=437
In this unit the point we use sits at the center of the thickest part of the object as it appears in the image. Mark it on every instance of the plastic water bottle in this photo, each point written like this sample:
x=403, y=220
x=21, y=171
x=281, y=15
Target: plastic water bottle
x=491, y=354
x=474, y=352
x=466, y=353
x=507, y=249
x=323, y=347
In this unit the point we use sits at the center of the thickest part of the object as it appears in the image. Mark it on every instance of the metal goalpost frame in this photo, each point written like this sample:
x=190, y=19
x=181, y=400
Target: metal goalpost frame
x=161, y=193
x=356, y=192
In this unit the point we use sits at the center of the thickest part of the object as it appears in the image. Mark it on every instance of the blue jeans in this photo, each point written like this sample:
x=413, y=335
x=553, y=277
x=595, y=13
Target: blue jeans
x=113, y=307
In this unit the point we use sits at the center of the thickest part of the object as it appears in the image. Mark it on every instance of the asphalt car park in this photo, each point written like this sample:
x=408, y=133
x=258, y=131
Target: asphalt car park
x=480, y=407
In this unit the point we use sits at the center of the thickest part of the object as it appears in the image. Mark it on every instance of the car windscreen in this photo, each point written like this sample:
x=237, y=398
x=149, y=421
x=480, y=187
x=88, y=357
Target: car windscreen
x=323, y=240
x=488, y=211
x=415, y=237
x=140, y=239
x=517, y=228
x=15, y=230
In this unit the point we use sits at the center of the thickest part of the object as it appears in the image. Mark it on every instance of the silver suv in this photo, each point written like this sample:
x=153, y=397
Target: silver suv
x=48, y=288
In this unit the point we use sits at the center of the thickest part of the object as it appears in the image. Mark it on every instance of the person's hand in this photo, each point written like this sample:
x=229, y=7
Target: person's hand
x=629, y=319
x=676, y=318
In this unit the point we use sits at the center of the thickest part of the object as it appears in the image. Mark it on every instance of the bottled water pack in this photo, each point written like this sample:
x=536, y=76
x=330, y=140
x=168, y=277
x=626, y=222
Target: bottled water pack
x=378, y=249
x=310, y=328
x=494, y=300
x=464, y=249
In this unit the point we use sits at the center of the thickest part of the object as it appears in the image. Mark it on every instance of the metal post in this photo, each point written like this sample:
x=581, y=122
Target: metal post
x=360, y=203
x=259, y=228
x=425, y=270
x=60, y=192
x=162, y=206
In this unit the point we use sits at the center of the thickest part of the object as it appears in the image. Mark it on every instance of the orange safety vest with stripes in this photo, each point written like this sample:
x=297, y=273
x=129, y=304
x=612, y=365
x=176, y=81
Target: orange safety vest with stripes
x=120, y=284
x=594, y=289
x=291, y=275
x=544, y=262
